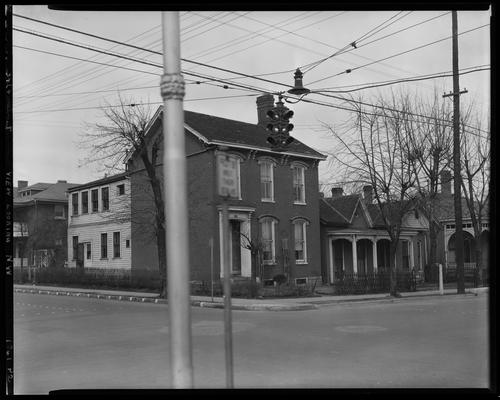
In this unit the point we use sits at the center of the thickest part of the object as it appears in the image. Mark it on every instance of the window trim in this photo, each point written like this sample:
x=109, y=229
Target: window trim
x=274, y=222
x=87, y=211
x=74, y=248
x=92, y=191
x=272, y=165
x=118, y=189
x=73, y=203
x=303, y=223
x=302, y=168
x=102, y=199
x=63, y=212
x=106, y=247
x=116, y=243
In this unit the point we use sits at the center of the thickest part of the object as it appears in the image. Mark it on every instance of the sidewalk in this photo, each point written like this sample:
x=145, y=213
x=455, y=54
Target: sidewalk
x=270, y=304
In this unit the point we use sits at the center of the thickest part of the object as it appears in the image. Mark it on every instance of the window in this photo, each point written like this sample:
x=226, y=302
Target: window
x=300, y=241
x=59, y=212
x=94, y=196
x=74, y=202
x=127, y=243
x=120, y=189
x=298, y=185
x=268, y=240
x=105, y=198
x=85, y=202
x=75, y=247
x=266, y=181
x=89, y=251
x=116, y=244
x=104, y=245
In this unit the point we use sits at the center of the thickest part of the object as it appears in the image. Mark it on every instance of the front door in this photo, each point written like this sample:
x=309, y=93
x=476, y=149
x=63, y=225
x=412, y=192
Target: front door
x=235, y=246
x=87, y=255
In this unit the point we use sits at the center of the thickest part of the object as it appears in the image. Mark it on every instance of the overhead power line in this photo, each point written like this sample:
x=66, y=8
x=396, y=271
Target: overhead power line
x=396, y=55
x=223, y=69
x=394, y=82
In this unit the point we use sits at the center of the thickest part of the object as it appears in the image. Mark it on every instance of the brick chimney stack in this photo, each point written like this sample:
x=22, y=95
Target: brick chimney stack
x=264, y=104
x=368, y=194
x=337, y=192
x=22, y=184
x=446, y=180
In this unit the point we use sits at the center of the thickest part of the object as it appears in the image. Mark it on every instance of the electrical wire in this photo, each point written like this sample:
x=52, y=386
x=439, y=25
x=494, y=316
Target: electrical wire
x=397, y=54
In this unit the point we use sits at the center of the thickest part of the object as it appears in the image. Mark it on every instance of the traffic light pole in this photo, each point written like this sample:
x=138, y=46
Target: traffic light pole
x=175, y=190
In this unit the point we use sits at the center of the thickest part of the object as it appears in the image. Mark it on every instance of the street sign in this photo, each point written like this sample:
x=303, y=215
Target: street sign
x=227, y=176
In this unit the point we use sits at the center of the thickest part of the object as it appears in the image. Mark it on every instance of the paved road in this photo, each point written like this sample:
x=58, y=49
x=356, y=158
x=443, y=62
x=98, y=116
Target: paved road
x=72, y=342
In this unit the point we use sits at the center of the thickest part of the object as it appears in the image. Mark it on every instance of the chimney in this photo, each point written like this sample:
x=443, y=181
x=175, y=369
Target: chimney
x=264, y=104
x=368, y=194
x=446, y=180
x=22, y=184
x=58, y=181
x=337, y=192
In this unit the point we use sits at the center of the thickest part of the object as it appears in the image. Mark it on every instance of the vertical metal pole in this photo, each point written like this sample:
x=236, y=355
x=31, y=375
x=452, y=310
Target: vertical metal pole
x=228, y=330
x=441, y=287
x=175, y=190
x=212, y=268
x=459, y=238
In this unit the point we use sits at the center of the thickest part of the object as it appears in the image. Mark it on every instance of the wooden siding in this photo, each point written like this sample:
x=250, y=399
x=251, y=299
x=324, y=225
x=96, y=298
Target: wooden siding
x=89, y=227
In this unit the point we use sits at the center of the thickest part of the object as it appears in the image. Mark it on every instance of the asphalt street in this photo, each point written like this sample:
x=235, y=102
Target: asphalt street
x=81, y=343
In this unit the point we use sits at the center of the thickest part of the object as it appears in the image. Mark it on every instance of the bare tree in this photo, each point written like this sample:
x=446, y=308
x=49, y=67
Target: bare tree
x=255, y=246
x=372, y=150
x=430, y=146
x=109, y=142
x=476, y=156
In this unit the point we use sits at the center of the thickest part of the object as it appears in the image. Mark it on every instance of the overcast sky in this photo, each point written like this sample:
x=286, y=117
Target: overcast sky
x=55, y=94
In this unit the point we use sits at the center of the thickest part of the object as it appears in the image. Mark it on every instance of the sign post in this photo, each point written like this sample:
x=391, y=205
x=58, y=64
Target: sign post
x=227, y=185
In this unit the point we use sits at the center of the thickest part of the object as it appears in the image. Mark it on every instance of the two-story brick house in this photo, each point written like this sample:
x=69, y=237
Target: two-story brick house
x=99, y=228
x=40, y=224
x=277, y=205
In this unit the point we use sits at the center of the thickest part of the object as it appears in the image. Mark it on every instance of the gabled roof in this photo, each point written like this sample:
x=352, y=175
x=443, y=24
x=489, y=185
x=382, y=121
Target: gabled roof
x=222, y=131
x=330, y=215
x=344, y=205
x=36, y=186
x=100, y=182
x=55, y=192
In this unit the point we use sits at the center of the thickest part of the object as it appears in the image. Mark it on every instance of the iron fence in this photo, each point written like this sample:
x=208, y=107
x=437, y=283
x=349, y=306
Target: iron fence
x=377, y=282
x=473, y=276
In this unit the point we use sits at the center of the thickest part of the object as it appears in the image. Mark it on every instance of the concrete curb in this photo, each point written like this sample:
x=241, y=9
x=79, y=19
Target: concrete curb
x=196, y=303
x=306, y=305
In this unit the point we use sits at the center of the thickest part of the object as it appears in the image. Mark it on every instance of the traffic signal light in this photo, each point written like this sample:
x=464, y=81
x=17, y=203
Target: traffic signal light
x=279, y=126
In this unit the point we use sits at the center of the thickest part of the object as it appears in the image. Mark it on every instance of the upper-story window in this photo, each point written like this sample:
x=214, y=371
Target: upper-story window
x=120, y=189
x=299, y=189
x=267, y=226
x=94, y=196
x=85, y=202
x=105, y=198
x=267, y=180
x=300, y=237
x=59, y=212
x=74, y=202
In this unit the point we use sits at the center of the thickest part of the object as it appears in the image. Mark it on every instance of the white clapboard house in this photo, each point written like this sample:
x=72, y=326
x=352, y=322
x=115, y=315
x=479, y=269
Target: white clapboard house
x=99, y=226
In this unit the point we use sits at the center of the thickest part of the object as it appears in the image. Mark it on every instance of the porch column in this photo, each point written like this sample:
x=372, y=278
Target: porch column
x=375, y=266
x=330, y=255
x=354, y=255
x=412, y=255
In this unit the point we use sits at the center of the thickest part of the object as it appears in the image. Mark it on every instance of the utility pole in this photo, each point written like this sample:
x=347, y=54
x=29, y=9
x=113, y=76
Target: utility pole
x=457, y=181
x=175, y=190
